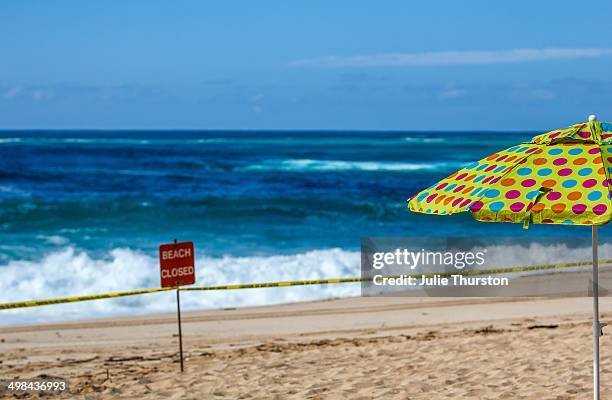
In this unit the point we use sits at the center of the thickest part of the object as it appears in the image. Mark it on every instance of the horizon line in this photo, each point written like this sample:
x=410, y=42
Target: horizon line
x=403, y=130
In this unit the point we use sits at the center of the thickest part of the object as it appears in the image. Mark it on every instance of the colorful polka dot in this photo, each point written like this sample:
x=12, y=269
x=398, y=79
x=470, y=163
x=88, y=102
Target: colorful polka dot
x=490, y=168
x=600, y=209
x=570, y=183
x=492, y=193
x=496, y=206
x=528, y=182
x=594, y=196
x=544, y=171
x=457, y=201
x=558, y=207
x=579, y=161
x=512, y=194
x=476, y=206
x=539, y=161
x=560, y=161
x=422, y=196
x=579, y=208
x=517, y=207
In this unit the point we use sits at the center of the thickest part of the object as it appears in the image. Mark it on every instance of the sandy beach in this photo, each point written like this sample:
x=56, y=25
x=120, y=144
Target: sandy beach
x=358, y=348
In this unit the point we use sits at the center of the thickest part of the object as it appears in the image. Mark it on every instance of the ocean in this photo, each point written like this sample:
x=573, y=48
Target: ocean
x=83, y=212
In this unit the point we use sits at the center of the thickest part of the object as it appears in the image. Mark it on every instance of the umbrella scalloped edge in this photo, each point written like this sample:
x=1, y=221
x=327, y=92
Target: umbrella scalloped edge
x=560, y=177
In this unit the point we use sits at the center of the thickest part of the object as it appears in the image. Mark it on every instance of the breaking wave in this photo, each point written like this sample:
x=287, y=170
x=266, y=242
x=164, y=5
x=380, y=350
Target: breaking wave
x=305, y=165
x=413, y=139
x=71, y=272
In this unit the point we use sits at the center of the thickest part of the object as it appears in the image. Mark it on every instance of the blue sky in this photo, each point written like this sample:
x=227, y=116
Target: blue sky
x=396, y=65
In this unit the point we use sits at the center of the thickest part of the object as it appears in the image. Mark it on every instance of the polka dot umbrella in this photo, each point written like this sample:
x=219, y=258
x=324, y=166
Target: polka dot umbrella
x=559, y=177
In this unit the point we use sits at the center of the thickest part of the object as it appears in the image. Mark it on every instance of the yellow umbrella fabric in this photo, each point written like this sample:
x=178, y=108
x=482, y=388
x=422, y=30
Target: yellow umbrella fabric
x=560, y=177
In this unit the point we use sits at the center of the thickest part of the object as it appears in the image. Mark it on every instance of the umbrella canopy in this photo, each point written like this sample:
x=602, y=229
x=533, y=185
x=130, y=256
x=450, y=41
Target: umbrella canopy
x=559, y=177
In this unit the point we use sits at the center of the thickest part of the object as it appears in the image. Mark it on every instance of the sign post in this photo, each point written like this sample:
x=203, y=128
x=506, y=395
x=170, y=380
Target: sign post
x=180, y=331
x=177, y=268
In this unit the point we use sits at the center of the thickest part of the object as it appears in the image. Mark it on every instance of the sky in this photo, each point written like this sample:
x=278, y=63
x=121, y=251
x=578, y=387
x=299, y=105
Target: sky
x=387, y=65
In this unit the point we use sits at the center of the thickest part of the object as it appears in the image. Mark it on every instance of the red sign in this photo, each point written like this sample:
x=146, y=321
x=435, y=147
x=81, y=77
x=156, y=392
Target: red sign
x=176, y=262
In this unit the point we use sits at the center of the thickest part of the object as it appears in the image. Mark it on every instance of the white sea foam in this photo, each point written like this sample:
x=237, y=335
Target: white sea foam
x=213, y=141
x=10, y=140
x=7, y=189
x=339, y=165
x=345, y=140
x=101, y=141
x=414, y=139
x=70, y=272
x=53, y=239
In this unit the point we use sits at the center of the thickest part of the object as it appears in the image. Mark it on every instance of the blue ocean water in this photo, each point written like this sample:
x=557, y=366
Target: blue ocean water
x=84, y=211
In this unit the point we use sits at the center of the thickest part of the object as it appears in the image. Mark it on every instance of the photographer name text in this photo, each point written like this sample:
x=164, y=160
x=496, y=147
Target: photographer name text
x=439, y=280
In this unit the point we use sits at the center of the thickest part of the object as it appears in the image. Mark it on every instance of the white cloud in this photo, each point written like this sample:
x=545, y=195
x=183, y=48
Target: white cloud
x=51, y=91
x=256, y=105
x=542, y=94
x=13, y=92
x=42, y=95
x=452, y=57
x=35, y=93
x=452, y=93
x=257, y=97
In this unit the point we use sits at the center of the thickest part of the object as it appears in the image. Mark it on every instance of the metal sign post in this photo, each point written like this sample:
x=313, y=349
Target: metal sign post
x=177, y=268
x=180, y=331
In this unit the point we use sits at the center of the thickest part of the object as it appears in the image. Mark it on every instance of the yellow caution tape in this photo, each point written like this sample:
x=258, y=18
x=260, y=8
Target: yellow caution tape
x=510, y=270
x=494, y=271
x=278, y=284
x=74, y=299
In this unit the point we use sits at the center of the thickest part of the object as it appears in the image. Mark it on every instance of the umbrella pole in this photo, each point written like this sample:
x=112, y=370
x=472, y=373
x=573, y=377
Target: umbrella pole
x=596, y=324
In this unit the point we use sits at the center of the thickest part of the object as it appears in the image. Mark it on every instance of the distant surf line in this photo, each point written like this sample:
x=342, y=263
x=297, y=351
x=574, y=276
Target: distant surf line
x=289, y=140
x=305, y=165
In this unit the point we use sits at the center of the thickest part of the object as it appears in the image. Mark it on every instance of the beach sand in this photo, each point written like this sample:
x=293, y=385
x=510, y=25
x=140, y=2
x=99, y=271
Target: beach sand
x=358, y=348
